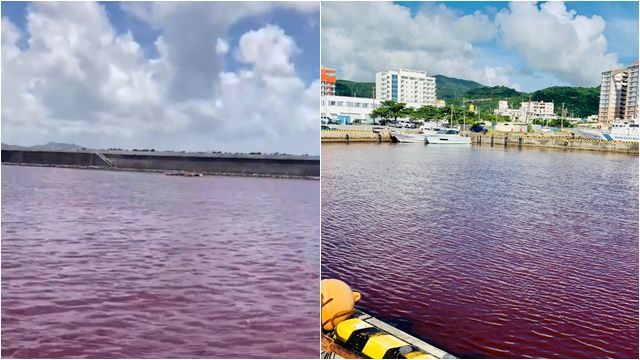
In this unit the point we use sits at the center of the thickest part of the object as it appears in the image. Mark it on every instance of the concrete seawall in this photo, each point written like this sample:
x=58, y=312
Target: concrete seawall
x=496, y=138
x=555, y=142
x=227, y=164
x=346, y=136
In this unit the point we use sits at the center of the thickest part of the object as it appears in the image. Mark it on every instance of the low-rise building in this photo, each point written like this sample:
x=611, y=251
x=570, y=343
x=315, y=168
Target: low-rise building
x=347, y=110
x=532, y=110
x=511, y=127
x=327, y=81
x=504, y=110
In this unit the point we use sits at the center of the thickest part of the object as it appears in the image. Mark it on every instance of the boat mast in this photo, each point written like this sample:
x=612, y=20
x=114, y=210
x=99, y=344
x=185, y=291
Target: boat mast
x=451, y=120
x=463, y=119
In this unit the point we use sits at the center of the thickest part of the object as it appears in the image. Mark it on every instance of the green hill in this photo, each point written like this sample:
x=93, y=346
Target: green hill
x=491, y=92
x=353, y=88
x=449, y=88
x=579, y=101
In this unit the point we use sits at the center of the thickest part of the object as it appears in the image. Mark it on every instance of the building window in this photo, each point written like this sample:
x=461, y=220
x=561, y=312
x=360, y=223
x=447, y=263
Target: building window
x=394, y=87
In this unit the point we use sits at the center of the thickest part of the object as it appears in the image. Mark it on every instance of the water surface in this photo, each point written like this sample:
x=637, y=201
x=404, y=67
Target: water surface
x=116, y=264
x=488, y=252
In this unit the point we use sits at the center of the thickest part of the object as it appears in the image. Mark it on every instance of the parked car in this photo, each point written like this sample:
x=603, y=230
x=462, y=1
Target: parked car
x=327, y=127
x=478, y=129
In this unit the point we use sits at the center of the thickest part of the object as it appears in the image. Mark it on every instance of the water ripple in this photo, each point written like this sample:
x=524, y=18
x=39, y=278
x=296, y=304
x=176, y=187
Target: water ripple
x=106, y=265
x=488, y=252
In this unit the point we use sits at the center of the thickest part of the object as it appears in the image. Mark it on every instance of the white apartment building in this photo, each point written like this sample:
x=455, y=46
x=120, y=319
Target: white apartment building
x=412, y=87
x=504, y=110
x=347, y=110
x=536, y=110
x=619, y=95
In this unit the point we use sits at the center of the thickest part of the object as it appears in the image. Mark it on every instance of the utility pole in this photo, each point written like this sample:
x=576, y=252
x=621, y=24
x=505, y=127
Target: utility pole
x=562, y=119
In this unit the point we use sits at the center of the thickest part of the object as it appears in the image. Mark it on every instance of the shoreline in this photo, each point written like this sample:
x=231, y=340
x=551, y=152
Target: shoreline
x=245, y=165
x=495, y=139
x=162, y=172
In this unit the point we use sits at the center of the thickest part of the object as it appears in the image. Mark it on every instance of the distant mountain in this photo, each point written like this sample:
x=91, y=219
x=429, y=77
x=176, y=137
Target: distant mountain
x=50, y=146
x=579, y=101
x=491, y=92
x=449, y=88
x=355, y=89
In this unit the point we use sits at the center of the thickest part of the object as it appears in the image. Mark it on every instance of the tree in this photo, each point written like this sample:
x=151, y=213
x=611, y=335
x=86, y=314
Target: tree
x=427, y=113
x=390, y=109
x=381, y=113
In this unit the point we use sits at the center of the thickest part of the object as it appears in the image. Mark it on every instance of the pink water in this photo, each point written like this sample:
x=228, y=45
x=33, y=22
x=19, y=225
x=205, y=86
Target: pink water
x=488, y=252
x=110, y=264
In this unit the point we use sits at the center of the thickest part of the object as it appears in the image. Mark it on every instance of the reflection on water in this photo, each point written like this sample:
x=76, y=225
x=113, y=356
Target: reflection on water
x=112, y=264
x=488, y=252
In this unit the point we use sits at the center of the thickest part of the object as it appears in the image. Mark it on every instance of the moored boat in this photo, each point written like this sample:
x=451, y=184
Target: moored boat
x=619, y=131
x=408, y=138
x=447, y=136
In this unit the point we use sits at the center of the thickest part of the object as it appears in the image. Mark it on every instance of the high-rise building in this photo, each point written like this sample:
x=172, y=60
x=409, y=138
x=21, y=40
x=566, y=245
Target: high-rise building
x=619, y=95
x=412, y=87
x=631, y=108
x=327, y=81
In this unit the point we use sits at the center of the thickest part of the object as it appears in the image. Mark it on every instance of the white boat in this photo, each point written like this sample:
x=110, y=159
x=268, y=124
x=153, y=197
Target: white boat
x=623, y=131
x=447, y=136
x=619, y=131
x=408, y=138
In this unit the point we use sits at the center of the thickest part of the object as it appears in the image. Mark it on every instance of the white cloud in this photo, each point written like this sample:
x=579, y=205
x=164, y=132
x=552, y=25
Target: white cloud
x=363, y=38
x=221, y=46
x=268, y=49
x=80, y=81
x=552, y=39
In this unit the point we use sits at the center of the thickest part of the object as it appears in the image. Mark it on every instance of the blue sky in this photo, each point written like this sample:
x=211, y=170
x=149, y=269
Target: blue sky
x=613, y=12
x=228, y=76
x=303, y=28
x=495, y=48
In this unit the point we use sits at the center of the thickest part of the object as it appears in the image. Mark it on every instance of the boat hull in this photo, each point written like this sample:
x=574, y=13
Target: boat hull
x=409, y=138
x=448, y=139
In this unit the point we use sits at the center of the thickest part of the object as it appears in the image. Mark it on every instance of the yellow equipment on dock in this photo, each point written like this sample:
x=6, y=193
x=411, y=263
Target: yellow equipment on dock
x=368, y=340
x=350, y=333
x=338, y=302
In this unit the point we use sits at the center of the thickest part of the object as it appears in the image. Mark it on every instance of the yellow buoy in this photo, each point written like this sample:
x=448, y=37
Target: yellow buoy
x=338, y=302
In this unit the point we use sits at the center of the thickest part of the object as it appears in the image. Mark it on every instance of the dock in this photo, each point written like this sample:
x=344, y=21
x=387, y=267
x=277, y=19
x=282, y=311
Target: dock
x=333, y=350
x=553, y=141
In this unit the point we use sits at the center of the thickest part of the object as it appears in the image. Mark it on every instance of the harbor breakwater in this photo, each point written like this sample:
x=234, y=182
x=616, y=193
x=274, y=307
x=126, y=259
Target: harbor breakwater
x=493, y=139
x=212, y=164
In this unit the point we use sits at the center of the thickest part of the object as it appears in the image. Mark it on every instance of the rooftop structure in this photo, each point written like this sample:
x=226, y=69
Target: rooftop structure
x=327, y=81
